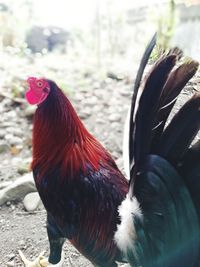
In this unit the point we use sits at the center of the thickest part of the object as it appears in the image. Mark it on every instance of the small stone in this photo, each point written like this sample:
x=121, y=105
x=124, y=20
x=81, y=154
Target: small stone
x=5, y=184
x=16, y=141
x=91, y=101
x=6, y=123
x=31, y=201
x=22, y=243
x=4, y=147
x=7, y=102
x=2, y=133
x=23, y=169
x=114, y=117
x=16, y=161
x=10, y=263
x=18, y=189
x=15, y=131
x=11, y=115
x=125, y=92
x=8, y=137
x=96, y=85
x=19, y=147
x=100, y=120
x=11, y=256
x=8, y=203
x=84, y=114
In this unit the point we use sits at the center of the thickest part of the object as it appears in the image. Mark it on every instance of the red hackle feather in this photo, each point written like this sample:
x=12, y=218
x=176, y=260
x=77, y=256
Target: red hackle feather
x=60, y=138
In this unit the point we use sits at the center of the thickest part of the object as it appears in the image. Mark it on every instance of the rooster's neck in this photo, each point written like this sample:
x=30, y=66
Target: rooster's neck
x=61, y=140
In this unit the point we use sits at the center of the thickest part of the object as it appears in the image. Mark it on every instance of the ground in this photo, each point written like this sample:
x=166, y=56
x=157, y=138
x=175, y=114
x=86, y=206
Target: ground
x=103, y=107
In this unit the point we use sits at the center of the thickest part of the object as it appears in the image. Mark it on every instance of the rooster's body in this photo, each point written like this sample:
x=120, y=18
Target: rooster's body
x=78, y=182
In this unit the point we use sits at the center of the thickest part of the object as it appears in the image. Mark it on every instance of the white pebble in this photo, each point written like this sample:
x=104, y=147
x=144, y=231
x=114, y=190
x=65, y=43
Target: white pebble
x=31, y=201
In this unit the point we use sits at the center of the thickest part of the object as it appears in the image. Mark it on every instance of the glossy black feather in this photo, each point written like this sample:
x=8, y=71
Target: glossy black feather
x=137, y=82
x=176, y=51
x=179, y=134
x=148, y=106
x=168, y=233
x=174, y=85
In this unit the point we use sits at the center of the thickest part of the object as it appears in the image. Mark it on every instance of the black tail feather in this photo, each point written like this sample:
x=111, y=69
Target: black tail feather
x=175, y=83
x=152, y=101
x=138, y=79
x=176, y=51
x=179, y=134
x=190, y=160
x=148, y=105
x=163, y=200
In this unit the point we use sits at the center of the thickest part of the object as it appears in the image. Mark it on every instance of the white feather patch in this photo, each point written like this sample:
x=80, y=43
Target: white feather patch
x=126, y=145
x=126, y=235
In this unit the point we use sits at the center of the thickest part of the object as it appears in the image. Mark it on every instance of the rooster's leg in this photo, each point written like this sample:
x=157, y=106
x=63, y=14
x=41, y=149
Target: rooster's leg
x=56, y=241
x=56, y=257
x=56, y=244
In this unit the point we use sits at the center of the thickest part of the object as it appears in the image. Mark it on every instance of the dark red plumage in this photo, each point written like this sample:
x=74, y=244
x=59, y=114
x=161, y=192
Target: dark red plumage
x=78, y=181
x=59, y=137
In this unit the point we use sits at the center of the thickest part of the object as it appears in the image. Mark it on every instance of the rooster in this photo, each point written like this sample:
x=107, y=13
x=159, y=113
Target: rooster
x=81, y=187
x=160, y=217
x=79, y=183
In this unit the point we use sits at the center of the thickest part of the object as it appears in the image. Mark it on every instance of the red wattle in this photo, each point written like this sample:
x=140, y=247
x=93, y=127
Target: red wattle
x=32, y=98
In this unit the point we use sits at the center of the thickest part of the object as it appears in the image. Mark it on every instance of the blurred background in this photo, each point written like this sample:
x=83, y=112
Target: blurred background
x=108, y=35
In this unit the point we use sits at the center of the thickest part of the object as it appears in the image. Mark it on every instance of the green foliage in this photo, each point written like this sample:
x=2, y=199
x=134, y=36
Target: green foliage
x=166, y=25
x=156, y=53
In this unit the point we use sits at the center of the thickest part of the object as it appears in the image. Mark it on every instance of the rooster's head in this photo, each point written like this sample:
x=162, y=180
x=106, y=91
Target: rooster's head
x=38, y=90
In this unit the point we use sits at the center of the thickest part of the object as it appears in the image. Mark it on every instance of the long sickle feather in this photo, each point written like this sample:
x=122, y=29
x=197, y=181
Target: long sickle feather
x=181, y=131
x=148, y=104
x=190, y=158
x=138, y=79
x=175, y=83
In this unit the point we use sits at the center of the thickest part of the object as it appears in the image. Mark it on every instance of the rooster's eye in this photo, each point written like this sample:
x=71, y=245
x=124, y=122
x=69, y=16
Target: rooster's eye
x=39, y=84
